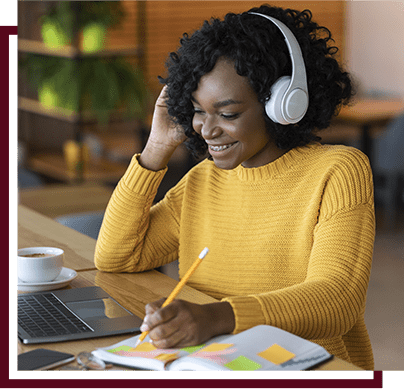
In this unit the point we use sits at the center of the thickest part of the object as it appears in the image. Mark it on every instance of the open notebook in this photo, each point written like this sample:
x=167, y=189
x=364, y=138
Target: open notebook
x=259, y=348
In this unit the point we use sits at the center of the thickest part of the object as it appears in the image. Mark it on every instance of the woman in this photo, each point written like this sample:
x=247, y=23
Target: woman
x=289, y=222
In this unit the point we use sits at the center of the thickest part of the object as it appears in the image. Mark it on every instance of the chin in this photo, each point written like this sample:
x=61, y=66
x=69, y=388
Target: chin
x=225, y=165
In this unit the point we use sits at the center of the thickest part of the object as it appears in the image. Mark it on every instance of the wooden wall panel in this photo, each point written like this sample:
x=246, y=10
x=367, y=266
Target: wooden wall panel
x=127, y=32
x=168, y=20
x=163, y=23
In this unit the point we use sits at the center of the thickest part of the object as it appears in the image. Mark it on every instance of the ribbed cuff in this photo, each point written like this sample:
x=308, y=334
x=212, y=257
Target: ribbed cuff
x=247, y=312
x=142, y=180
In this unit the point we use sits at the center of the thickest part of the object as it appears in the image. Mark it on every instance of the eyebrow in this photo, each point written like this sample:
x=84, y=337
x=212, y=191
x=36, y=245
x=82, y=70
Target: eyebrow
x=221, y=104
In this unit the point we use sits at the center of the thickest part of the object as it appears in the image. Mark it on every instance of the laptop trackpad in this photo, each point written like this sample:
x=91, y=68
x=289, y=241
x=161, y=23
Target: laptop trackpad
x=98, y=309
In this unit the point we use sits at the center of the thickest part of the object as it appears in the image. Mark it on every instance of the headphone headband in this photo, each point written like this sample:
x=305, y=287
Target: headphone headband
x=289, y=95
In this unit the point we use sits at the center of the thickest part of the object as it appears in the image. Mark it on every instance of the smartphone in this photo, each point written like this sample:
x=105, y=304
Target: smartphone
x=43, y=359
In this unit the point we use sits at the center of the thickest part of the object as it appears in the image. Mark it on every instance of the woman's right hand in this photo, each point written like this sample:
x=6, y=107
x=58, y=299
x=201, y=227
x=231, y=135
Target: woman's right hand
x=165, y=136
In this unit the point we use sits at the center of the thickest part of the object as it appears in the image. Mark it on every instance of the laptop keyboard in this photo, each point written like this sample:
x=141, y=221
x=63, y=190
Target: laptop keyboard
x=44, y=315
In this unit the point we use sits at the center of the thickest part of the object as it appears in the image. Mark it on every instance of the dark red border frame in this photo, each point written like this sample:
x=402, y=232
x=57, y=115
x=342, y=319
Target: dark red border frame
x=375, y=383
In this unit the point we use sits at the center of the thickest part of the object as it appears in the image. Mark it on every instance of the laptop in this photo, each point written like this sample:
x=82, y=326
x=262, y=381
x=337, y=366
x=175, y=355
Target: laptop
x=72, y=314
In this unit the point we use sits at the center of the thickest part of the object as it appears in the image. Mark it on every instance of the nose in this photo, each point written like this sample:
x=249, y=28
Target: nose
x=207, y=127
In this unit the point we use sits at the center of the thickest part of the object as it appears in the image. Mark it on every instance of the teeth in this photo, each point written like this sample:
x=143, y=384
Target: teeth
x=220, y=148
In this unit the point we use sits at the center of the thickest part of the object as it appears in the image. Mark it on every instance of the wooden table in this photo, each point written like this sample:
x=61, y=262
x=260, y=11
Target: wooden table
x=367, y=113
x=35, y=229
x=63, y=199
x=132, y=291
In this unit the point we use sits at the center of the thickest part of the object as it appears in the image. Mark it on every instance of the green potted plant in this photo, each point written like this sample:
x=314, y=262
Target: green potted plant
x=89, y=83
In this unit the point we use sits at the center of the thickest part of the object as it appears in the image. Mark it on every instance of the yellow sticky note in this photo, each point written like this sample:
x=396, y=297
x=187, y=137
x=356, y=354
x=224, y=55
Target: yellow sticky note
x=166, y=357
x=216, y=347
x=276, y=354
x=144, y=346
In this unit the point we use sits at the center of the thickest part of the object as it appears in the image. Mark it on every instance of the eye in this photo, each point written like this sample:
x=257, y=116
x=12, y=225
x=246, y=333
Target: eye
x=198, y=111
x=230, y=116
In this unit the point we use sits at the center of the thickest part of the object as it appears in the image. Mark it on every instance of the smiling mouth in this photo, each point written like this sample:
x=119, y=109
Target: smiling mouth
x=221, y=148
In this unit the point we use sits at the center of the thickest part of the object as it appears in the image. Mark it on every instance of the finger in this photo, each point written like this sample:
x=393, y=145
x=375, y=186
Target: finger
x=169, y=341
x=154, y=306
x=150, y=309
x=171, y=321
x=164, y=91
x=162, y=96
x=157, y=317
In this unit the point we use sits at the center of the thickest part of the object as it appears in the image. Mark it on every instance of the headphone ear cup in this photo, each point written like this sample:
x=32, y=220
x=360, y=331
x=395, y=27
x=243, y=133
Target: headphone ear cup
x=273, y=106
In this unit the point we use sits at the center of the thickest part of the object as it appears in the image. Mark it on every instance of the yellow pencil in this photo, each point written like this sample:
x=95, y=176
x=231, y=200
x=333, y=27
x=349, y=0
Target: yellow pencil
x=179, y=286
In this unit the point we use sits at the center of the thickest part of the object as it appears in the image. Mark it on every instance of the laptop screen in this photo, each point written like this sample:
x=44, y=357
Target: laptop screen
x=97, y=309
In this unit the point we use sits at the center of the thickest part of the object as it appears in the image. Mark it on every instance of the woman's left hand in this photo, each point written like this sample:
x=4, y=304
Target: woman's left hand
x=182, y=324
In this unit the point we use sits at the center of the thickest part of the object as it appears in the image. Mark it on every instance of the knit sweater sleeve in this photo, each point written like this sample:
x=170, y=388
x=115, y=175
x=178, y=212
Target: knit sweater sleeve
x=333, y=295
x=135, y=235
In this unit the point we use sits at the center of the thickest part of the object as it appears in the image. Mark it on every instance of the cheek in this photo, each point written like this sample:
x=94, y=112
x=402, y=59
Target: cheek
x=253, y=132
x=197, y=125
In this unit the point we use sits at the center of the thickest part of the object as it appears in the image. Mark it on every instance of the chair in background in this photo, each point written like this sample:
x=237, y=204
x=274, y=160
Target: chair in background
x=88, y=223
x=25, y=177
x=28, y=179
x=388, y=169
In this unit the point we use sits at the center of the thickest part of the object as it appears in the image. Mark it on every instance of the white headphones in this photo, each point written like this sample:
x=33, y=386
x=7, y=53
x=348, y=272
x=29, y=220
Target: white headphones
x=289, y=95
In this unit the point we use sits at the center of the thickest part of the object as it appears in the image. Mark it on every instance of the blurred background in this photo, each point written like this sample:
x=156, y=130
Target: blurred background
x=87, y=85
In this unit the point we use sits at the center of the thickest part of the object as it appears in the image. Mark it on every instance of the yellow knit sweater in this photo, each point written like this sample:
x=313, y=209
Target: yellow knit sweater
x=290, y=242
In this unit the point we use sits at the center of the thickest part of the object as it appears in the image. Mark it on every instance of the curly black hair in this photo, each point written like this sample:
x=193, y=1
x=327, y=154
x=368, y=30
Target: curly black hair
x=259, y=52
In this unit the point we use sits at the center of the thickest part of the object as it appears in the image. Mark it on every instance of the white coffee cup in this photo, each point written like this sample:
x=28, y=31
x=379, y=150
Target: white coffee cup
x=39, y=264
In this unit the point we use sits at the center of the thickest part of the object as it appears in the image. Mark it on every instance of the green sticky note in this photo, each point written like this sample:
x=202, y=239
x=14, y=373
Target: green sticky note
x=243, y=363
x=192, y=349
x=120, y=348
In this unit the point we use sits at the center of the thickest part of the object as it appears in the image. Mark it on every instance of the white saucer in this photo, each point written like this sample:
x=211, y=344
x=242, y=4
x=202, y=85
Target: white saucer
x=62, y=280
